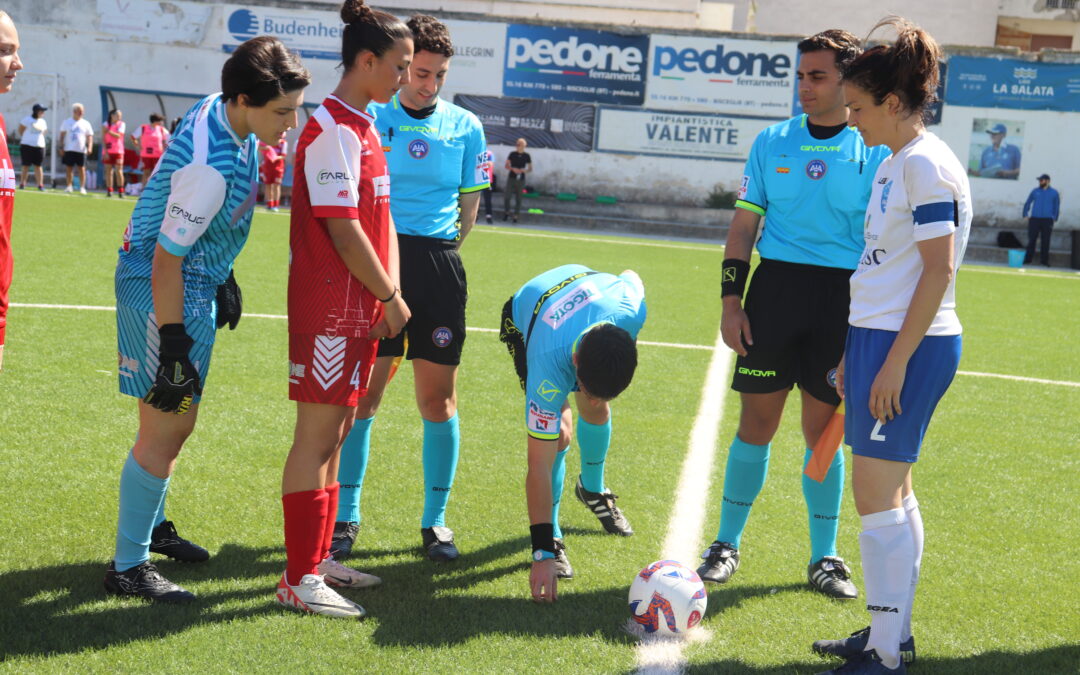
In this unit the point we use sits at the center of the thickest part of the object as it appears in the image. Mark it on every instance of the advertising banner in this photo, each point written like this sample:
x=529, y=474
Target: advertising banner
x=715, y=74
x=669, y=134
x=570, y=64
x=1012, y=83
x=479, y=50
x=178, y=23
x=313, y=34
x=544, y=124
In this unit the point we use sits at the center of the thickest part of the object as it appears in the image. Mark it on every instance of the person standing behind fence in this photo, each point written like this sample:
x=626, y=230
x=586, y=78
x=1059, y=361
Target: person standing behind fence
x=518, y=164
x=77, y=139
x=112, y=153
x=10, y=65
x=32, y=130
x=151, y=140
x=1041, y=209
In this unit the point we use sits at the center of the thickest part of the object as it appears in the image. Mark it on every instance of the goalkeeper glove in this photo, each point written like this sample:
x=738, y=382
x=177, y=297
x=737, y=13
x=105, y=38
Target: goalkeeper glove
x=230, y=303
x=177, y=382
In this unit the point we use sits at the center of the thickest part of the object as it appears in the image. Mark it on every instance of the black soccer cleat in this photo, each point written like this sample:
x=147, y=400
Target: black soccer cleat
x=144, y=581
x=721, y=561
x=867, y=663
x=602, y=504
x=832, y=577
x=343, y=539
x=563, y=570
x=439, y=543
x=855, y=645
x=166, y=541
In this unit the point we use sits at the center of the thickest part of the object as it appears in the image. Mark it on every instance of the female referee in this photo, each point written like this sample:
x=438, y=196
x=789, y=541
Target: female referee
x=903, y=344
x=184, y=234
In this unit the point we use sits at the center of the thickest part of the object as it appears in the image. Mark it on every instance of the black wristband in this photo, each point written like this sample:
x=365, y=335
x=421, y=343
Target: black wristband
x=543, y=537
x=734, y=273
x=391, y=296
x=175, y=342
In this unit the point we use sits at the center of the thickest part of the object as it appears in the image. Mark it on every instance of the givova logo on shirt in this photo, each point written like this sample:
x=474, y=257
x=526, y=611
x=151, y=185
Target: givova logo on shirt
x=571, y=304
x=327, y=177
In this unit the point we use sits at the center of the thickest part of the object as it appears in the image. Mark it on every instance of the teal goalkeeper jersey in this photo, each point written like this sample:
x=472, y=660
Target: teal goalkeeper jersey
x=567, y=301
x=433, y=161
x=812, y=193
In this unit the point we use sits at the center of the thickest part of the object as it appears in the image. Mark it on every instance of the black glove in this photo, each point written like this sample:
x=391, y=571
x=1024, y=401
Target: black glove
x=177, y=382
x=230, y=303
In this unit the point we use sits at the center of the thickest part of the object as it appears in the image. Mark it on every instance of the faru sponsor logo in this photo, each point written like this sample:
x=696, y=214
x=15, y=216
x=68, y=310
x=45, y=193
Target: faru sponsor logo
x=573, y=53
x=177, y=211
x=327, y=177
x=571, y=304
x=720, y=61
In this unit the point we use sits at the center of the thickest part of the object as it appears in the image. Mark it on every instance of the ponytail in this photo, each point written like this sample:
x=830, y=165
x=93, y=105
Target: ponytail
x=368, y=29
x=907, y=68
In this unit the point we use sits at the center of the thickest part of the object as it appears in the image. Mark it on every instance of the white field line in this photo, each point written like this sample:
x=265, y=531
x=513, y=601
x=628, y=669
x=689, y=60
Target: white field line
x=479, y=329
x=717, y=247
x=665, y=656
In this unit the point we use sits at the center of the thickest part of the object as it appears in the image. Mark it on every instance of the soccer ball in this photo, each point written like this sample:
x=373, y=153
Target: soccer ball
x=667, y=598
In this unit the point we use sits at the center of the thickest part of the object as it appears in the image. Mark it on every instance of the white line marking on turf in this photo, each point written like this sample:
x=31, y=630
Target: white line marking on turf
x=665, y=656
x=479, y=329
x=614, y=240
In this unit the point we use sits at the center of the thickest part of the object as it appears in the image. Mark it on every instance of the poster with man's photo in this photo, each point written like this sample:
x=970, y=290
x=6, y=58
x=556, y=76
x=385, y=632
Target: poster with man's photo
x=995, y=148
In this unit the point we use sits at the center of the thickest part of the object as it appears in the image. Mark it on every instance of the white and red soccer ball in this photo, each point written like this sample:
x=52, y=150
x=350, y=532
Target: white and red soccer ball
x=667, y=598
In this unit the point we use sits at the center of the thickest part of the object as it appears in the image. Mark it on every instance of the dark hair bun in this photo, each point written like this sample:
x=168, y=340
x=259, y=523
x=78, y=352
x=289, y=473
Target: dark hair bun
x=353, y=11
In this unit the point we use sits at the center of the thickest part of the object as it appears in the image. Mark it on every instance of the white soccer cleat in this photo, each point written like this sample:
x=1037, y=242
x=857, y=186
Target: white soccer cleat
x=68, y=189
x=82, y=190
x=336, y=574
x=313, y=596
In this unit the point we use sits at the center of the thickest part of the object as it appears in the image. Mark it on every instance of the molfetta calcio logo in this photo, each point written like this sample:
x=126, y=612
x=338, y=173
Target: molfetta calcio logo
x=575, y=65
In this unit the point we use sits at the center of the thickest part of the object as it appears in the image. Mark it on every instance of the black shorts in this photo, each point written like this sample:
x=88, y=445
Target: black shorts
x=511, y=336
x=73, y=158
x=31, y=155
x=434, y=287
x=798, y=319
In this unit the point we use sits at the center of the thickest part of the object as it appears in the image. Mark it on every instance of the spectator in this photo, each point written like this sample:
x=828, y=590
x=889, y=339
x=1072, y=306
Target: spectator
x=112, y=153
x=32, y=130
x=1000, y=160
x=151, y=140
x=10, y=65
x=1041, y=209
x=488, y=166
x=77, y=140
x=272, y=170
x=518, y=164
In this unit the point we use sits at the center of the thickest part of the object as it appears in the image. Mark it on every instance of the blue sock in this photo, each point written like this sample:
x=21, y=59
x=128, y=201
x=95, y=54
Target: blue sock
x=593, y=440
x=141, y=495
x=823, y=506
x=440, y=463
x=351, y=470
x=160, y=517
x=558, y=478
x=747, y=466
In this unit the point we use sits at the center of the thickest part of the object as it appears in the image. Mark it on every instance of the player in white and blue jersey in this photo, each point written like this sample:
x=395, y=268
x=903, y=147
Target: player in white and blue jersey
x=903, y=344
x=809, y=178
x=570, y=330
x=175, y=266
x=435, y=152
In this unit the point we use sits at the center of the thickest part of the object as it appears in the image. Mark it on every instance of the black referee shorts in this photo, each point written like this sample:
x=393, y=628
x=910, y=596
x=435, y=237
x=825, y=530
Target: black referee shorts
x=434, y=287
x=798, y=319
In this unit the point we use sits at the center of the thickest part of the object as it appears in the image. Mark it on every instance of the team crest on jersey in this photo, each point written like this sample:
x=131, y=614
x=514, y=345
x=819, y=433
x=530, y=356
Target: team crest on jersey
x=418, y=149
x=442, y=336
x=816, y=168
x=885, y=195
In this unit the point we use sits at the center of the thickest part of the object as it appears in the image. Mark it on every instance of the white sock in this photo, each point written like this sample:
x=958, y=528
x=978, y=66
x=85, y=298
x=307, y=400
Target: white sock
x=887, y=559
x=911, y=507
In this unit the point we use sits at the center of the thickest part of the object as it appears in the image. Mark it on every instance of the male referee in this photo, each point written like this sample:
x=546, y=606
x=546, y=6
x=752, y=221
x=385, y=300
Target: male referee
x=810, y=177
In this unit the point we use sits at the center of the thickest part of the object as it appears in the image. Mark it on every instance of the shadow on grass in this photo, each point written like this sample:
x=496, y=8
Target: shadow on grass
x=1062, y=659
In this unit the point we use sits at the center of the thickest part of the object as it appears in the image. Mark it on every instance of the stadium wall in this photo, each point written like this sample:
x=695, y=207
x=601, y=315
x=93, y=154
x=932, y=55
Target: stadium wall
x=663, y=138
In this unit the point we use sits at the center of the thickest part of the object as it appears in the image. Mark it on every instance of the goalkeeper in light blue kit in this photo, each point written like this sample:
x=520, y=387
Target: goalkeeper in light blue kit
x=571, y=329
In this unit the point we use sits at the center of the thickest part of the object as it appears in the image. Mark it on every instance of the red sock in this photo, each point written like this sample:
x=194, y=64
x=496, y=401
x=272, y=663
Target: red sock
x=332, y=492
x=305, y=525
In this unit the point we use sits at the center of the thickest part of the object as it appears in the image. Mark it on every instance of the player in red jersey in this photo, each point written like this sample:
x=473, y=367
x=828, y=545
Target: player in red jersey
x=112, y=153
x=272, y=170
x=9, y=66
x=343, y=297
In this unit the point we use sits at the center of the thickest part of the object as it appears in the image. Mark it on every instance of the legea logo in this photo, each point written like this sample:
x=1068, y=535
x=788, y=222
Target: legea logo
x=326, y=177
x=720, y=61
x=177, y=211
x=572, y=53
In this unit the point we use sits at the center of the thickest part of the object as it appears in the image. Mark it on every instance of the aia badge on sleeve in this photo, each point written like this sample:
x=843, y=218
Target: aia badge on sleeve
x=815, y=169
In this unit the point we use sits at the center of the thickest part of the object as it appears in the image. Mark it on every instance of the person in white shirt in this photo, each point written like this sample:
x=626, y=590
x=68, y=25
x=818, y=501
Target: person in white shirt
x=32, y=130
x=77, y=140
x=903, y=345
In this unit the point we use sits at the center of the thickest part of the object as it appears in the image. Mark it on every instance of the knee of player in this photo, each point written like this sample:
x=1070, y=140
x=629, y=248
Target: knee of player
x=437, y=408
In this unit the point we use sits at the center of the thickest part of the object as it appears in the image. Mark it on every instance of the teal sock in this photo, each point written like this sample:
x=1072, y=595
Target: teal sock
x=141, y=495
x=747, y=466
x=558, y=479
x=823, y=506
x=440, y=463
x=351, y=470
x=160, y=517
x=593, y=440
